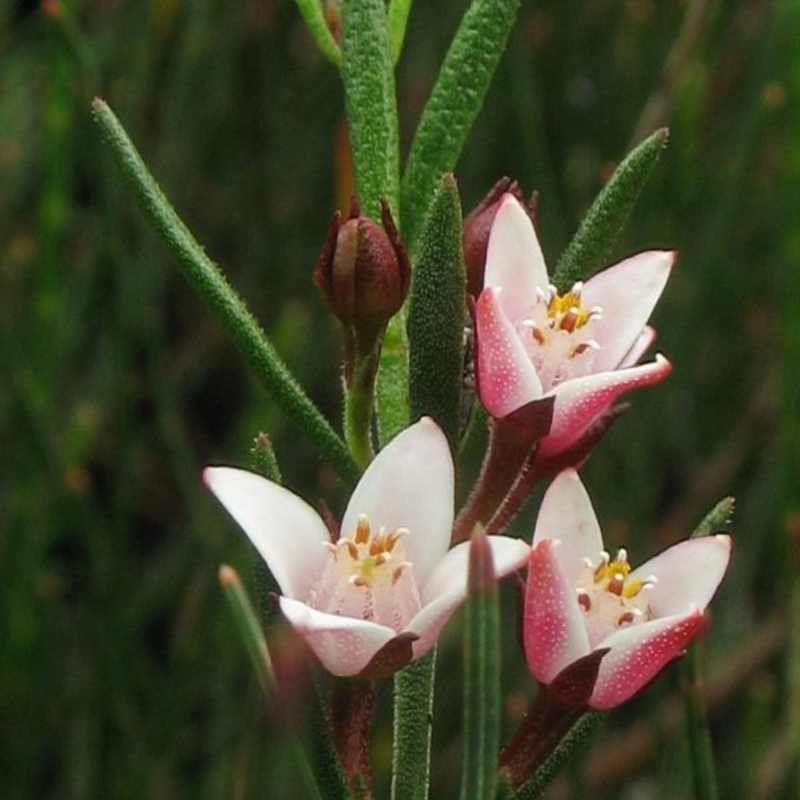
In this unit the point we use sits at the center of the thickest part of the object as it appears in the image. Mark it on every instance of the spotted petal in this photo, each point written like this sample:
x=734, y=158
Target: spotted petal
x=507, y=378
x=638, y=654
x=285, y=530
x=581, y=400
x=554, y=631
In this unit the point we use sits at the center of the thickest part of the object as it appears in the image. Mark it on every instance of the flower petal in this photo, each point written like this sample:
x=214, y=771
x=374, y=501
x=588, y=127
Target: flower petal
x=344, y=645
x=285, y=530
x=567, y=514
x=410, y=484
x=627, y=293
x=554, y=630
x=514, y=259
x=581, y=400
x=507, y=378
x=687, y=573
x=446, y=588
x=638, y=654
x=643, y=341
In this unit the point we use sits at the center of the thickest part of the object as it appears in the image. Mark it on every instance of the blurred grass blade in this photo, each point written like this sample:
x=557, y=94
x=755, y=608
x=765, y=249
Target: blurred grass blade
x=454, y=103
x=313, y=13
x=436, y=316
x=397, y=18
x=256, y=645
x=228, y=307
x=370, y=103
x=481, y=675
x=249, y=629
x=413, y=720
x=697, y=732
x=591, y=246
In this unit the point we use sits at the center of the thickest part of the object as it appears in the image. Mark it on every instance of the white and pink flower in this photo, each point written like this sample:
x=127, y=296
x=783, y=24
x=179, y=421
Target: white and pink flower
x=581, y=346
x=389, y=575
x=580, y=600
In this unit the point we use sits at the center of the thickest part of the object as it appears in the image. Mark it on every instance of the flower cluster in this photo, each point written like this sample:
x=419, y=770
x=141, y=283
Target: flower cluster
x=373, y=593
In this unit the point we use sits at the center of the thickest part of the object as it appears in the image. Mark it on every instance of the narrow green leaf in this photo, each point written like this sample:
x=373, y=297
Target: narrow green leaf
x=481, y=675
x=454, y=103
x=436, y=316
x=591, y=246
x=371, y=105
x=264, y=460
x=397, y=16
x=313, y=13
x=413, y=721
x=228, y=307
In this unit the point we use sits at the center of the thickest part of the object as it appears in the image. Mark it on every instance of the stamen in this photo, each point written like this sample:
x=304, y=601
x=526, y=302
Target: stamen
x=584, y=600
x=617, y=584
x=362, y=529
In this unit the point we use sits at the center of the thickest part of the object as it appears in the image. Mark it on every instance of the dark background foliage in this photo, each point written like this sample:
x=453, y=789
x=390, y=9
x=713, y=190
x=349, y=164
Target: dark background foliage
x=121, y=674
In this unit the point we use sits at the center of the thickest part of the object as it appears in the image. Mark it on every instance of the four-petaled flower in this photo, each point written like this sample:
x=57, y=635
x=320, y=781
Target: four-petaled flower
x=581, y=346
x=389, y=577
x=579, y=600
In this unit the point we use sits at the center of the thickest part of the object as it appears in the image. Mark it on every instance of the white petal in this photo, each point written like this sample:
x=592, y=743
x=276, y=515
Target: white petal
x=285, y=530
x=627, y=294
x=446, y=588
x=410, y=484
x=687, y=573
x=567, y=514
x=344, y=645
x=514, y=259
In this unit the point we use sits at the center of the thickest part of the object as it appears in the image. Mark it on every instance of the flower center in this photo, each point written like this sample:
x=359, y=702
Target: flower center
x=368, y=577
x=609, y=598
x=559, y=339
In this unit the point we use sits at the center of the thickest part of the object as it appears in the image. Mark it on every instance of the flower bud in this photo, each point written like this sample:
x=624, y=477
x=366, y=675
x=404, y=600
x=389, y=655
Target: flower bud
x=478, y=224
x=363, y=271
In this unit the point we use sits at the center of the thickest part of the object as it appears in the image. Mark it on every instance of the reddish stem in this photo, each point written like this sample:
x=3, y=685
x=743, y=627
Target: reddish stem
x=352, y=706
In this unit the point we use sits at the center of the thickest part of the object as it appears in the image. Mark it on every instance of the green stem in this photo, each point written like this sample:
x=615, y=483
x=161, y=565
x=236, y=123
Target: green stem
x=700, y=751
x=228, y=307
x=314, y=15
x=413, y=709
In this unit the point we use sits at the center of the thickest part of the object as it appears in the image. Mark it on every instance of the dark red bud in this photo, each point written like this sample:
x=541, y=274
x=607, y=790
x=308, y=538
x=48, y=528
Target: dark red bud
x=478, y=225
x=363, y=271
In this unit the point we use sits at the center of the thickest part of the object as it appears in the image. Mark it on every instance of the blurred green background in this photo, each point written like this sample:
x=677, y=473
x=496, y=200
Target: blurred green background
x=121, y=674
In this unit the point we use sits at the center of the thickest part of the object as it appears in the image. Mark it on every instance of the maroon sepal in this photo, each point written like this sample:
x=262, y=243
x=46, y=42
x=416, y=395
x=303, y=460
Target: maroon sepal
x=394, y=655
x=573, y=686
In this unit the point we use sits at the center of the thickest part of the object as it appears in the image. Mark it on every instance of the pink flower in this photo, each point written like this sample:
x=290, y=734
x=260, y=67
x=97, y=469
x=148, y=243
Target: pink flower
x=581, y=346
x=389, y=583
x=579, y=600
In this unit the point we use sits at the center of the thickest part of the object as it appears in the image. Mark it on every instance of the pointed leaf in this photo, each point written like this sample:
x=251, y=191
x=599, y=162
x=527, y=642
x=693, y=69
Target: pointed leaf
x=453, y=105
x=370, y=104
x=413, y=721
x=481, y=675
x=591, y=246
x=207, y=279
x=436, y=316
